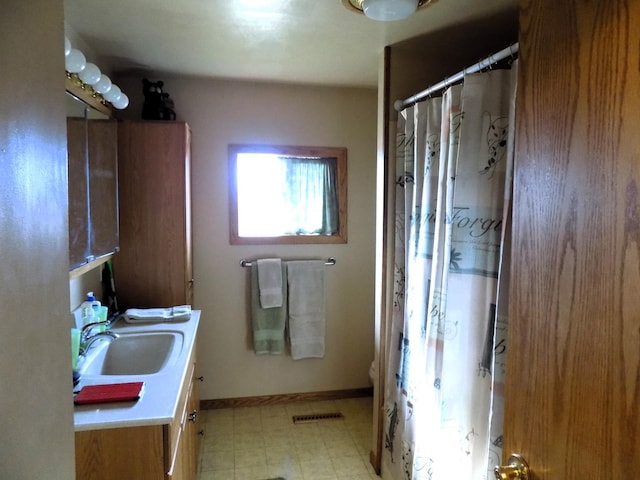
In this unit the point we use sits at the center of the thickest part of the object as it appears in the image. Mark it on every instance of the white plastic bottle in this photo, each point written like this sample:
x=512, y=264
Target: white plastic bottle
x=86, y=309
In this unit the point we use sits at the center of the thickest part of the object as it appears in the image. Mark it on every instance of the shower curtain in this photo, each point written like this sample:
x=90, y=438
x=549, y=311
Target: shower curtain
x=446, y=345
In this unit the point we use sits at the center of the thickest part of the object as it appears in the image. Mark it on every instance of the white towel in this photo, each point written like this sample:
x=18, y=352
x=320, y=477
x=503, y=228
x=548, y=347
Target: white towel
x=270, y=282
x=306, y=308
x=179, y=313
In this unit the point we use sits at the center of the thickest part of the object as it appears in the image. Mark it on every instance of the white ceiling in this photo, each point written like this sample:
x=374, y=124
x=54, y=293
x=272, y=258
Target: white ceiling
x=299, y=41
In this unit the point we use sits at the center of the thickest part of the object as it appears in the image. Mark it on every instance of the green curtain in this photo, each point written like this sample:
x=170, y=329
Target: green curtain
x=311, y=195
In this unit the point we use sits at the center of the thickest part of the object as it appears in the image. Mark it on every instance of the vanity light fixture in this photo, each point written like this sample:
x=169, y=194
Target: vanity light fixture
x=88, y=77
x=386, y=10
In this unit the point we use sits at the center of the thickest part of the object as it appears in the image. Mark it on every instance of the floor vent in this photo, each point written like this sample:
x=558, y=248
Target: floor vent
x=317, y=417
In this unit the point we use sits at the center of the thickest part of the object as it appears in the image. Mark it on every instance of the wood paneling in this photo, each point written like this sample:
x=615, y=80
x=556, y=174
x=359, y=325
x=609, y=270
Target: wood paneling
x=573, y=379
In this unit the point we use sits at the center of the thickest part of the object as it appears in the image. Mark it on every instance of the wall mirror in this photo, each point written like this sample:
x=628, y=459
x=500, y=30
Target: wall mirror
x=287, y=195
x=92, y=179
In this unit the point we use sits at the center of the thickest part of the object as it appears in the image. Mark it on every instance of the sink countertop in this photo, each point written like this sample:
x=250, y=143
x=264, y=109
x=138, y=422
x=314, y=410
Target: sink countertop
x=159, y=400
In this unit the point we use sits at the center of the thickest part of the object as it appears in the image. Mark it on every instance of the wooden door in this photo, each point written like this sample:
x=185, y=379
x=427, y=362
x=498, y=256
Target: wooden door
x=573, y=374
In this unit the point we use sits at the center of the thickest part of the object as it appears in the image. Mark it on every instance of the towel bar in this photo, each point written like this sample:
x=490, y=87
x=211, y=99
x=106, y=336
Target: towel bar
x=248, y=263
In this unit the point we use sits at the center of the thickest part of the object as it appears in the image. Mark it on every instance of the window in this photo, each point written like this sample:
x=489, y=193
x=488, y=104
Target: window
x=287, y=194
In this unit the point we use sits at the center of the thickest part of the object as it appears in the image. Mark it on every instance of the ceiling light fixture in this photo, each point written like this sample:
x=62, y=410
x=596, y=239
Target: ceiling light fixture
x=87, y=76
x=386, y=10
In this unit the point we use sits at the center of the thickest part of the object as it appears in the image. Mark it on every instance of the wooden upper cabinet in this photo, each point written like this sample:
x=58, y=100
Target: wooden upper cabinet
x=154, y=265
x=103, y=185
x=78, y=187
x=92, y=179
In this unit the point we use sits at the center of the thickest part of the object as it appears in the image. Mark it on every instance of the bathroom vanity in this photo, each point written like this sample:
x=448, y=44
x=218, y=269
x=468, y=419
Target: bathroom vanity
x=157, y=436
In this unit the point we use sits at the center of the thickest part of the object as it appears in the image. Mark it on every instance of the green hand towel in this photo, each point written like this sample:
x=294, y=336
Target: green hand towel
x=268, y=323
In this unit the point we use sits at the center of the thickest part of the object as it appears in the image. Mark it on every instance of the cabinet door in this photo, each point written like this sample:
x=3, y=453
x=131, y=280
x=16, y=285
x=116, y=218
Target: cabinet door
x=92, y=180
x=120, y=453
x=179, y=469
x=153, y=267
x=78, y=187
x=102, y=148
x=194, y=427
x=183, y=436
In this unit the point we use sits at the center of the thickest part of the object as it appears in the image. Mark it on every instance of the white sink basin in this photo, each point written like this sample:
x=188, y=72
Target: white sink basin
x=134, y=354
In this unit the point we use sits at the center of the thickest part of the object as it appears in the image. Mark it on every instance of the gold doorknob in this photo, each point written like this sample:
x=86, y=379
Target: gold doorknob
x=516, y=470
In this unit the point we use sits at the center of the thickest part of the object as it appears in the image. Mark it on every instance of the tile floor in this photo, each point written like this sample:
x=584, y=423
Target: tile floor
x=258, y=443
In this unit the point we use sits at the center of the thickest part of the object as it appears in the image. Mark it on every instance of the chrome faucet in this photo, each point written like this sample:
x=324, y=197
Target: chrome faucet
x=87, y=338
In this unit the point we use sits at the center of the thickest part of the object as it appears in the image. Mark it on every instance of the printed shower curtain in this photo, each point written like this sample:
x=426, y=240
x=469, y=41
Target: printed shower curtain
x=446, y=344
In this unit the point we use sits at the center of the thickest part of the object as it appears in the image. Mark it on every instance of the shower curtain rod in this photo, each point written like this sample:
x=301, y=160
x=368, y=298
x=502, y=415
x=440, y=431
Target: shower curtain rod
x=510, y=51
x=247, y=263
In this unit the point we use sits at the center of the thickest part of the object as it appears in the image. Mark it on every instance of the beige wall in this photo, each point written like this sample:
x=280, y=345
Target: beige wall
x=36, y=436
x=79, y=286
x=222, y=112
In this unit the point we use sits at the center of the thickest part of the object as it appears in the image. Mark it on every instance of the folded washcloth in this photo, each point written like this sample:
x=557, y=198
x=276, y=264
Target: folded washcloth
x=270, y=282
x=180, y=313
x=268, y=323
x=306, y=308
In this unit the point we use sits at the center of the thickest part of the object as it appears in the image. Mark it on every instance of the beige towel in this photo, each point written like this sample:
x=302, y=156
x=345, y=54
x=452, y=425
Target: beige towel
x=306, y=308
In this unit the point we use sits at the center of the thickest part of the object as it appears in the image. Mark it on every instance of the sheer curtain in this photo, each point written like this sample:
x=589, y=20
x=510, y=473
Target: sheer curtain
x=443, y=396
x=282, y=195
x=310, y=195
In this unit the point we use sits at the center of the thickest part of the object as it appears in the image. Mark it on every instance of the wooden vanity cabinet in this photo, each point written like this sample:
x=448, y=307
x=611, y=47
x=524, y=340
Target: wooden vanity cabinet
x=154, y=265
x=154, y=452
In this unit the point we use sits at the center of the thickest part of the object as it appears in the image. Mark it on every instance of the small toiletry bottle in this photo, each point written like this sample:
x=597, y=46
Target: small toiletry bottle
x=87, y=311
x=97, y=317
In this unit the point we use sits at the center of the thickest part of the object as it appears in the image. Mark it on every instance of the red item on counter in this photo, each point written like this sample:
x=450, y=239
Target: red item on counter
x=113, y=392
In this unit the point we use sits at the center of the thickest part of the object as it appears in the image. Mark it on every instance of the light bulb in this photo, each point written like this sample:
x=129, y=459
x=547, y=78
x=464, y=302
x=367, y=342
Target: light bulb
x=103, y=85
x=113, y=94
x=75, y=61
x=122, y=102
x=67, y=46
x=388, y=10
x=90, y=74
